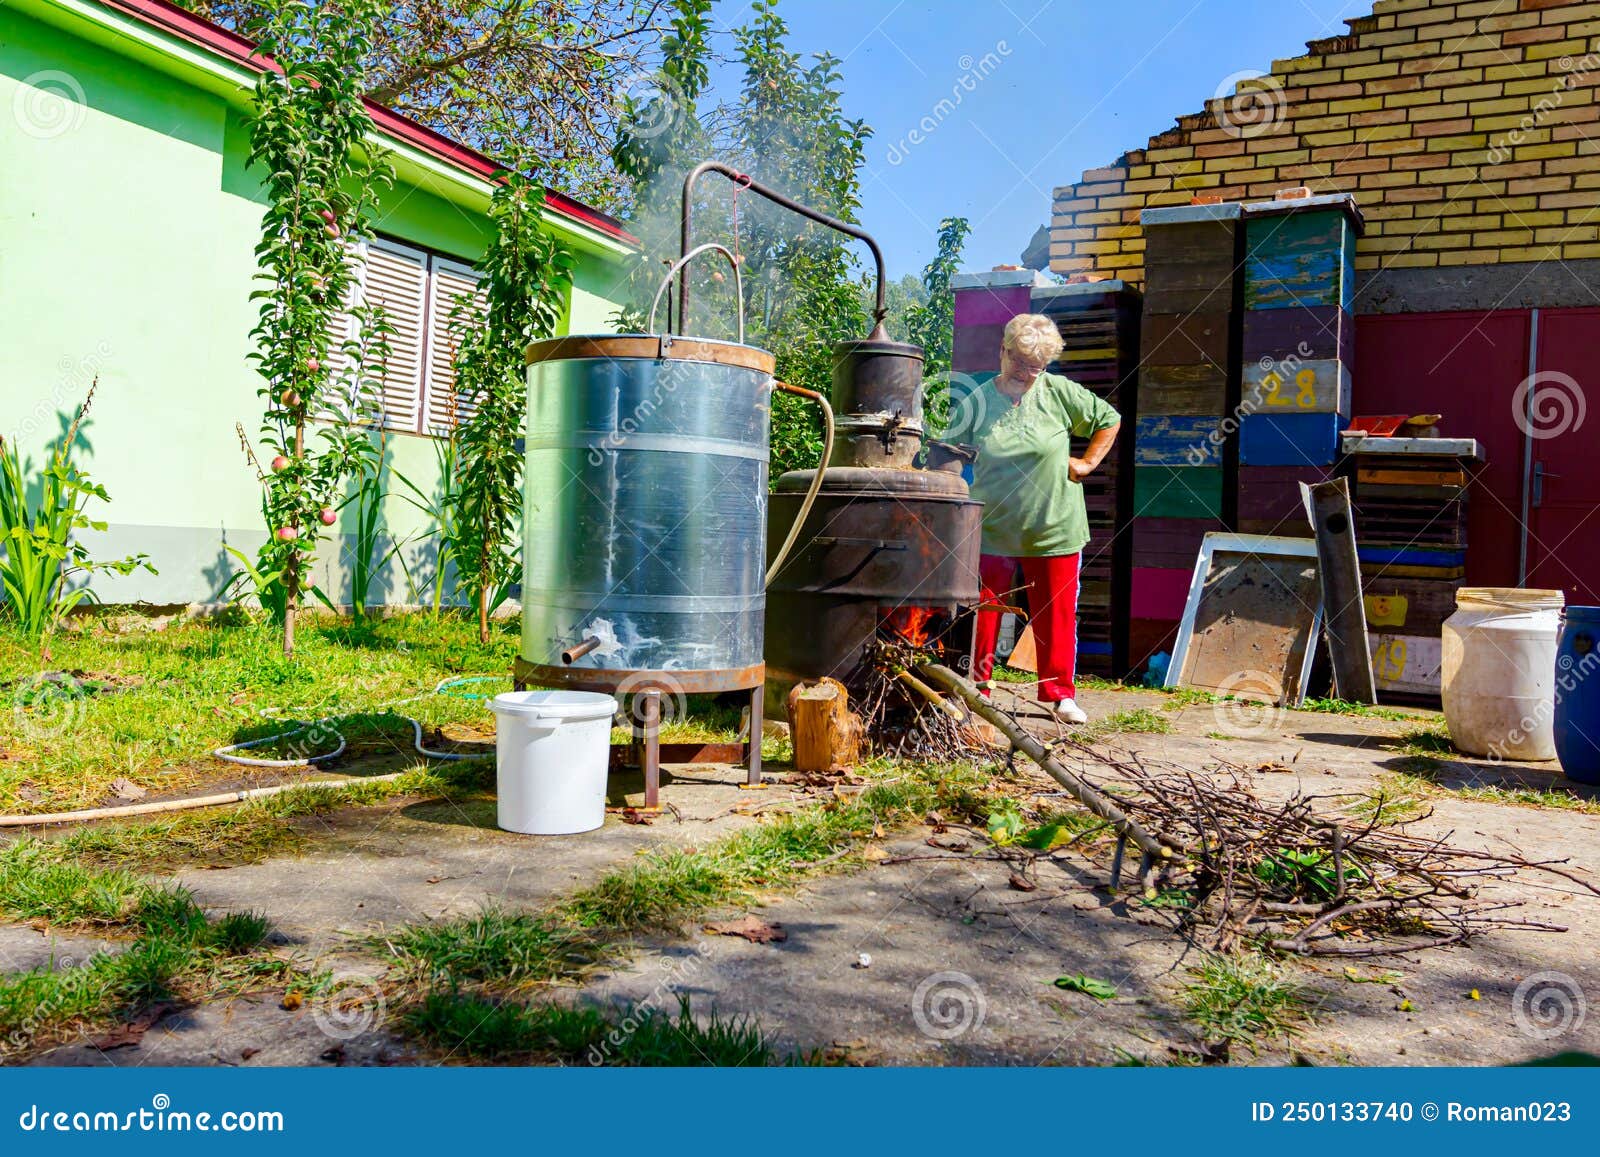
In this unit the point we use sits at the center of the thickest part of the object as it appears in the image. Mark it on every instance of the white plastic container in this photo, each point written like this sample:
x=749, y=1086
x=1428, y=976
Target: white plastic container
x=1498, y=672
x=552, y=749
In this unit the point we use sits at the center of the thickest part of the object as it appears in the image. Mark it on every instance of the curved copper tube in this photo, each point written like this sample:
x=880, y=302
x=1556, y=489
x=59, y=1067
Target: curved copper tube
x=572, y=654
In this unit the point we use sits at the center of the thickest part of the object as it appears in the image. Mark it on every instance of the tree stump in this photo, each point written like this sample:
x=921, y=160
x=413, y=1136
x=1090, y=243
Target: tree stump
x=827, y=736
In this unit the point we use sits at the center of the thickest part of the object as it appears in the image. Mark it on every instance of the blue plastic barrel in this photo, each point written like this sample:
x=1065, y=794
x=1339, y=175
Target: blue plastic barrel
x=1577, y=719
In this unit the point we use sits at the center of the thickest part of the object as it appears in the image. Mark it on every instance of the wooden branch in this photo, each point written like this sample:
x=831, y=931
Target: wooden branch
x=1034, y=750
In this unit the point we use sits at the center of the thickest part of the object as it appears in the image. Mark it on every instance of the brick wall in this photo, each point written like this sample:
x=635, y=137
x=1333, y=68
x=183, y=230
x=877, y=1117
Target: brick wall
x=1468, y=130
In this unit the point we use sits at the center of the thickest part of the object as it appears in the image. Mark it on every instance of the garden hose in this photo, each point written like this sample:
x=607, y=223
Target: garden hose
x=242, y=795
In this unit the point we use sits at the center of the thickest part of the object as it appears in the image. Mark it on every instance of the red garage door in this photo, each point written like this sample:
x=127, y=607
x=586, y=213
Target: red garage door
x=1466, y=366
x=1564, y=471
x=1474, y=368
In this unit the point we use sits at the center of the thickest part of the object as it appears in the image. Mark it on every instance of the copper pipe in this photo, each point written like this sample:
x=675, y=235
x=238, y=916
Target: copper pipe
x=572, y=654
x=880, y=308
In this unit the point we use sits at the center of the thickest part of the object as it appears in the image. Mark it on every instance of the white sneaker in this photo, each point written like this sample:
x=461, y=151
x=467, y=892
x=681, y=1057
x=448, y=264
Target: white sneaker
x=1067, y=711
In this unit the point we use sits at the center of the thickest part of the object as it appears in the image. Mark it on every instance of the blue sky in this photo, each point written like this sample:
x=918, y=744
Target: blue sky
x=1053, y=87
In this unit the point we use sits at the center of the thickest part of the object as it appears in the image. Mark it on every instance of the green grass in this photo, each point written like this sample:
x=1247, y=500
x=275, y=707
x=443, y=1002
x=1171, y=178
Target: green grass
x=197, y=685
x=665, y=887
x=509, y=949
x=255, y=831
x=1178, y=698
x=1394, y=803
x=1004, y=674
x=1421, y=776
x=1362, y=710
x=1135, y=720
x=1246, y=1000
x=457, y=979
x=176, y=951
x=1424, y=741
x=479, y=1029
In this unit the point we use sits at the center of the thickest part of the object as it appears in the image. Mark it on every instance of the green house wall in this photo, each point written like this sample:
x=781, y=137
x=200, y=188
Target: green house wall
x=127, y=227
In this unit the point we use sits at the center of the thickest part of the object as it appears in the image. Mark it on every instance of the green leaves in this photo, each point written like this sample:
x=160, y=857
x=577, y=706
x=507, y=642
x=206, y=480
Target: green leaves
x=308, y=137
x=1087, y=985
x=41, y=553
x=527, y=276
x=1005, y=824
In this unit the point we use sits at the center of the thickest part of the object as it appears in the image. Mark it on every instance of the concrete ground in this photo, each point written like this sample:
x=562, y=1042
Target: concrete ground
x=928, y=956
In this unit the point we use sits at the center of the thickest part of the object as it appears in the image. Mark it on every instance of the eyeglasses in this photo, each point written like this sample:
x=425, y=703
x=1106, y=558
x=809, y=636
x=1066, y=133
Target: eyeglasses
x=1026, y=366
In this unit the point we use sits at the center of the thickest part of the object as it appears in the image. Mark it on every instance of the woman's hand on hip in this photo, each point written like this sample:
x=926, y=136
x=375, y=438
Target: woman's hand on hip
x=1078, y=469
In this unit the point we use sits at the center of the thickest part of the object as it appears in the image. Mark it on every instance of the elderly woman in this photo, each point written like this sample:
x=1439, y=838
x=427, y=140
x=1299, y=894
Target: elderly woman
x=1034, y=519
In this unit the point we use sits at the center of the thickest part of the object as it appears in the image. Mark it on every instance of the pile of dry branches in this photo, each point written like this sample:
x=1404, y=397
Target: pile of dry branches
x=1301, y=875
x=1306, y=874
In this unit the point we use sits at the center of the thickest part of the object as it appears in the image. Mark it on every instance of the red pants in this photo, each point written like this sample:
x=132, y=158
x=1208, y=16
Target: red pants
x=1052, y=586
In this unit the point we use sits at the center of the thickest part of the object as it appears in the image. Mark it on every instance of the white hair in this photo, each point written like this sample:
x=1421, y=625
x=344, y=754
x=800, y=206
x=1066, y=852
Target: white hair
x=1032, y=336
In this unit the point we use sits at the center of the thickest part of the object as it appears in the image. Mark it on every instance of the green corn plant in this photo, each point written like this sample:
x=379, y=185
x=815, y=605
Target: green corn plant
x=41, y=549
x=439, y=507
x=367, y=556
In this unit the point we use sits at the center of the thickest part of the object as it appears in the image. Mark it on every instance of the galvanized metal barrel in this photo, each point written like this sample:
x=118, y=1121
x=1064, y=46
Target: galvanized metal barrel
x=645, y=513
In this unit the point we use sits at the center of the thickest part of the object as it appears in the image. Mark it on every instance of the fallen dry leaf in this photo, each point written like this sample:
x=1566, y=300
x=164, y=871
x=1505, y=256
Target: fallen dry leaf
x=1022, y=883
x=875, y=854
x=751, y=928
x=246, y=1054
x=131, y=1034
x=635, y=816
x=292, y=1001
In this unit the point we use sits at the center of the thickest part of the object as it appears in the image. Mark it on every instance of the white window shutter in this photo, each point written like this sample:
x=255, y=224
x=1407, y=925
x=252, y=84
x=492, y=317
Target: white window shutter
x=396, y=278
x=342, y=406
x=451, y=283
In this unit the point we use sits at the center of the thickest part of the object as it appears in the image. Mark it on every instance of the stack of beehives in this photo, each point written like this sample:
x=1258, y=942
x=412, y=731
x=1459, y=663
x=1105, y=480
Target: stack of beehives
x=1299, y=336
x=1181, y=448
x=1410, y=499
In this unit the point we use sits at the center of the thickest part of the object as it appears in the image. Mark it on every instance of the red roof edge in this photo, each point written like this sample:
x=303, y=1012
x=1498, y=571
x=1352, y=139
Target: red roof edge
x=199, y=31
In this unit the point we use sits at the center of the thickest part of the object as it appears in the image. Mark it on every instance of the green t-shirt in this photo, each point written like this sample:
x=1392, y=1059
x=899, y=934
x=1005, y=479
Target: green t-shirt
x=1032, y=507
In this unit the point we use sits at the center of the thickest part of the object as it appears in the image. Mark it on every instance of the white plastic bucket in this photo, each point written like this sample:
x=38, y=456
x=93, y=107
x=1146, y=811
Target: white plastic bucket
x=552, y=749
x=1499, y=672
